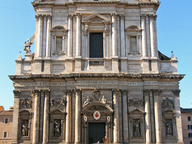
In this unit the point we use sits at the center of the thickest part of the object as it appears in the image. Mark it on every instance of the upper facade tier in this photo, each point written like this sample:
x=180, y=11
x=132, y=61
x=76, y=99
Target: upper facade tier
x=97, y=36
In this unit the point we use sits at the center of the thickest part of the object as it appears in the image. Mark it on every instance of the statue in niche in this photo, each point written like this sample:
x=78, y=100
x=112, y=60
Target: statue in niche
x=57, y=128
x=136, y=128
x=88, y=101
x=27, y=46
x=169, y=128
x=24, y=128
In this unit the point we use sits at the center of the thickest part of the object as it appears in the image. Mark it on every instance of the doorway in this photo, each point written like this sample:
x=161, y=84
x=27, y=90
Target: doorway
x=96, y=132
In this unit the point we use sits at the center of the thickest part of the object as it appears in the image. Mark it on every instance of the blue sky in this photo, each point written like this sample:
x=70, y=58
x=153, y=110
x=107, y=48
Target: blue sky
x=174, y=27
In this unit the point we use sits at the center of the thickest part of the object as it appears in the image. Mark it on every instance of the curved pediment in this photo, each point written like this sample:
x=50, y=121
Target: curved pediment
x=96, y=106
x=58, y=28
x=133, y=28
x=136, y=112
x=95, y=19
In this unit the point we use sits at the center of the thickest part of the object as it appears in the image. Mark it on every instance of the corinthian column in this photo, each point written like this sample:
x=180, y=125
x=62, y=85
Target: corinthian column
x=46, y=117
x=116, y=135
x=178, y=117
x=36, y=117
x=125, y=117
x=152, y=36
x=147, y=116
x=68, y=118
x=78, y=117
x=143, y=36
x=69, y=50
x=48, y=43
x=157, y=117
x=78, y=35
x=114, y=35
x=15, y=117
x=39, y=36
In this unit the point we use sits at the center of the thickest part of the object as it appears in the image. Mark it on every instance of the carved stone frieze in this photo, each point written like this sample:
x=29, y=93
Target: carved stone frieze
x=135, y=102
x=26, y=103
x=167, y=104
x=58, y=102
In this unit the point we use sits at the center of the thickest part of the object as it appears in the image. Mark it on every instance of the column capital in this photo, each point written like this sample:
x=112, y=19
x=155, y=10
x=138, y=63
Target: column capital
x=49, y=16
x=113, y=14
x=78, y=14
x=78, y=90
x=176, y=92
x=146, y=92
x=115, y=90
x=156, y=92
x=16, y=93
x=70, y=16
x=47, y=92
x=36, y=92
x=69, y=91
x=124, y=92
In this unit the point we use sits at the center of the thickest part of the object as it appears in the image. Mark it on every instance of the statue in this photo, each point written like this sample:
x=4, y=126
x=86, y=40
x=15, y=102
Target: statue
x=88, y=101
x=103, y=100
x=169, y=128
x=86, y=29
x=24, y=129
x=136, y=128
x=57, y=126
x=27, y=46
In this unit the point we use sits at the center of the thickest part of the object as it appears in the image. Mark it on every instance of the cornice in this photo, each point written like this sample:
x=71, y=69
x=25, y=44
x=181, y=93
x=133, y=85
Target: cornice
x=97, y=75
x=97, y=2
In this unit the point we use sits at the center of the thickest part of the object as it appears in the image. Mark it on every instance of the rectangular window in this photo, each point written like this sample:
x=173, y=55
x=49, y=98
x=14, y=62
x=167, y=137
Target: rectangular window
x=189, y=118
x=189, y=135
x=58, y=43
x=96, y=45
x=6, y=120
x=5, y=135
x=190, y=127
x=133, y=43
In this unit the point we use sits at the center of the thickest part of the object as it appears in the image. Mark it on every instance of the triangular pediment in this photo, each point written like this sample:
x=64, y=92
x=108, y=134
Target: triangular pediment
x=96, y=18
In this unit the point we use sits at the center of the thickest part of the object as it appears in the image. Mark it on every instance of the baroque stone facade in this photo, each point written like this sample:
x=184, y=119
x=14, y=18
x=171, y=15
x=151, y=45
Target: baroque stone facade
x=96, y=75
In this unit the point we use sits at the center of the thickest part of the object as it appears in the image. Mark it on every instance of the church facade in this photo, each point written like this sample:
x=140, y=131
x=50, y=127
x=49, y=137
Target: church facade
x=96, y=75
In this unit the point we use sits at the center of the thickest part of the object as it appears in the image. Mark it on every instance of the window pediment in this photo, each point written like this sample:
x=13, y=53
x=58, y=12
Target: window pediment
x=96, y=19
x=136, y=112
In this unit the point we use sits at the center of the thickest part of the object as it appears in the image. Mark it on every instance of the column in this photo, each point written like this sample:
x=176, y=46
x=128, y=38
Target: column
x=78, y=117
x=40, y=32
x=48, y=43
x=15, y=127
x=116, y=116
x=125, y=117
x=147, y=30
x=78, y=35
x=69, y=50
x=46, y=117
x=147, y=116
x=152, y=35
x=36, y=117
x=143, y=36
x=157, y=116
x=114, y=35
x=123, y=51
x=68, y=118
x=178, y=117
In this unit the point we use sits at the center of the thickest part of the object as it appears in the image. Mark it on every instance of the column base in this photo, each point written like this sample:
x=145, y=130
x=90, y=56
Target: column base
x=115, y=65
x=77, y=64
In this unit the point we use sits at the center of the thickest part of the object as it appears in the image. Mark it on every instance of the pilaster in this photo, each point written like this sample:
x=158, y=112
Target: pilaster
x=15, y=127
x=46, y=117
x=35, y=138
x=78, y=117
x=178, y=117
x=48, y=40
x=125, y=117
x=156, y=94
x=116, y=132
x=68, y=117
x=147, y=116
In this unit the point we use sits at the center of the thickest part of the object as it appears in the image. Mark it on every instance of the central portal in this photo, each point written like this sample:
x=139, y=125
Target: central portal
x=96, y=132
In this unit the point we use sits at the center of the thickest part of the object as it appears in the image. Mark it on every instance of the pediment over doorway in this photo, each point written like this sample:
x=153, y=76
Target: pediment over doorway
x=96, y=18
x=102, y=108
